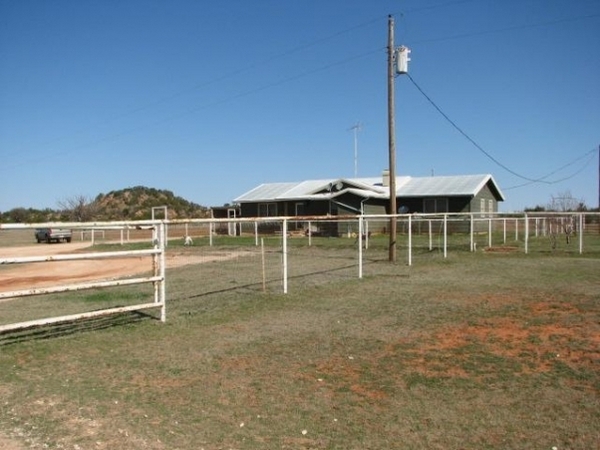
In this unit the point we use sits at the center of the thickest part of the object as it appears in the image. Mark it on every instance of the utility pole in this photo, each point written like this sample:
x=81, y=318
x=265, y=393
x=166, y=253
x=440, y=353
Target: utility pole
x=356, y=127
x=392, y=141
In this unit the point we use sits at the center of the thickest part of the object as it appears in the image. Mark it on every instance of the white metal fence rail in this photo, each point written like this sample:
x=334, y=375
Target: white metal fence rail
x=418, y=234
x=157, y=254
x=449, y=232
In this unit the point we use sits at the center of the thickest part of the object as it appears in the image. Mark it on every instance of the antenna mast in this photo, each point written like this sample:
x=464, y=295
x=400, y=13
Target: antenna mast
x=356, y=127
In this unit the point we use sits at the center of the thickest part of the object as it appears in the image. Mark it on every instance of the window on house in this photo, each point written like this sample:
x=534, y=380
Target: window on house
x=435, y=205
x=442, y=205
x=267, y=209
x=299, y=209
x=491, y=206
x=429, y=205
x=482, y=206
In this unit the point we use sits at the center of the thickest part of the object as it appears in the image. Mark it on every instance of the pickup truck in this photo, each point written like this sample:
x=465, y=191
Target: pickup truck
x=52, y=234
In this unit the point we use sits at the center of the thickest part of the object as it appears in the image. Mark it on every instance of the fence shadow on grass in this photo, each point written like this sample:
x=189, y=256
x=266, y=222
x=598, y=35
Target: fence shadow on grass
x=53, y=331
x=255, y=286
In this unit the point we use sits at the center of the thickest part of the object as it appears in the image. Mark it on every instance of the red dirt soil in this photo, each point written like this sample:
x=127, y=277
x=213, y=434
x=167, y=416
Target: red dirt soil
x=43, y=274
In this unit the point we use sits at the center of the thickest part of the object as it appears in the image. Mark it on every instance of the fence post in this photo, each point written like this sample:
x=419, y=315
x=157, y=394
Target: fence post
x=490, y=232
x=526, y=234
x=360, y=246
x=156, y=262
x=445, y=235
x=580, y=233
x=472, y=233
x=410, y=240
x=430, y=235
x=262, y=260
x=162, y=271
x=285, y=261
x=256, y=233
x=544, y=227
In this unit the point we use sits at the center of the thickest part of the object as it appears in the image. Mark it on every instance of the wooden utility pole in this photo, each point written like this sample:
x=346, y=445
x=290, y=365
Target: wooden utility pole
x=392, y=141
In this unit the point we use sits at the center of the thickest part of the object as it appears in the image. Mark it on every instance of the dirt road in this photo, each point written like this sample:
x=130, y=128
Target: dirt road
x=35, y=275
x=26, y=276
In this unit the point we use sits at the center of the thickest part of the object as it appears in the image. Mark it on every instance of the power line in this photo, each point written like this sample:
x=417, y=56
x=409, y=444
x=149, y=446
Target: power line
x=471, y=140
x=189, y=111
x=560, y=180
x=226, y=76
x=248, y=67
x=502, y=30
x=243, y=69
x=489, y=156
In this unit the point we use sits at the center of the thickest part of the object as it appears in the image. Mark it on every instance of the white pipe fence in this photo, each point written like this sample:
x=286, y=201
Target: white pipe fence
x=450, y=225
x=157, y=253
x=365, y=238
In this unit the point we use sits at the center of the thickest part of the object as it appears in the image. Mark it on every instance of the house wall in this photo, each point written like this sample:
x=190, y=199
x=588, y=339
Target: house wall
x=459, y=204
x=323, y=208
x=248, y=210
x=375, y=209
x=417, y=204
x=320, y=208
x=489, y=200
x=223, y=212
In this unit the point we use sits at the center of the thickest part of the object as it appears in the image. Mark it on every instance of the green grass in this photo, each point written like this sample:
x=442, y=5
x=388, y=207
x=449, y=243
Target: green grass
x=475, y=351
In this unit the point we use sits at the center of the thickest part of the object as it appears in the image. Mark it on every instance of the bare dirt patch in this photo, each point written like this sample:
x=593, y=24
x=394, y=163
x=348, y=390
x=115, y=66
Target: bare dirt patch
x=43, y=274
x=527, y=346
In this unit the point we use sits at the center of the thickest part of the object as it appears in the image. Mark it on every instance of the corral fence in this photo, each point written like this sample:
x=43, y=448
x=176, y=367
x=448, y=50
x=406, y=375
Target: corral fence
x=272, y=253
x=156, y=255
x=529, y=232
x=362, y=240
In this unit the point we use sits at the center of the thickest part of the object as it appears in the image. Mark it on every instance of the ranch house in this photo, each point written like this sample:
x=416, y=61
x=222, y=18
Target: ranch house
x=352, y=196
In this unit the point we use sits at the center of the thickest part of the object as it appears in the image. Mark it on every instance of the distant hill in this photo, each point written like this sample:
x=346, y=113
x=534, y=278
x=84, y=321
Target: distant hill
x=136, y=203
x=133, y=203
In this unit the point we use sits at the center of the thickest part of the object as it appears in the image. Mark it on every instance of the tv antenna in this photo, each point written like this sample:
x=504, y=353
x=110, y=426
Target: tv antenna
x=356, y=127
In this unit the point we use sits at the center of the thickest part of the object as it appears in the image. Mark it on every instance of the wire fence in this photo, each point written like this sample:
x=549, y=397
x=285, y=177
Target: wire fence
x=229, y=257
x=275, y=254
x=281, y=253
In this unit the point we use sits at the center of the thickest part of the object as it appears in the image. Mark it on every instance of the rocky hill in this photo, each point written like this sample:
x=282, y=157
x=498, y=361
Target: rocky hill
x=133, y=203
x=136, y=203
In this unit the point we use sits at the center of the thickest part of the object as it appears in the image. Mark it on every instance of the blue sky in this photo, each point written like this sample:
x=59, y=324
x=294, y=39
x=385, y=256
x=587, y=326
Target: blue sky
x=209, y=99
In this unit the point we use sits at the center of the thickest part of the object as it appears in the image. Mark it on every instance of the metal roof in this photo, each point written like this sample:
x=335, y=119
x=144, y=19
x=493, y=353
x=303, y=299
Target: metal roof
x=447, y=186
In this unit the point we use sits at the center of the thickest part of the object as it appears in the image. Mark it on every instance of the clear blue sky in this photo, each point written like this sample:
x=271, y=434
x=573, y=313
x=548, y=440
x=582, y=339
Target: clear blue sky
x=209, y=99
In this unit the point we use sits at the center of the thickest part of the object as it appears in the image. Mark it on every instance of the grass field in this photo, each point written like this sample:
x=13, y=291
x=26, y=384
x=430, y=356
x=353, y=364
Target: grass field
x=479, y=350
